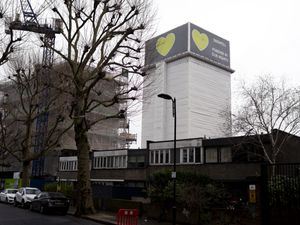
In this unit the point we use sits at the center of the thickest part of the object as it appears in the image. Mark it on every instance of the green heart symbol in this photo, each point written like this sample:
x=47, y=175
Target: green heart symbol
x=165, y=44
x=201, y=40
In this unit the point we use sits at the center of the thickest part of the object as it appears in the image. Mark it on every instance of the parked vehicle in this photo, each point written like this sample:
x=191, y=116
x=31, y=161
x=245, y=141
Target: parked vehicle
x=8, y=195
x=25, y=195
x=50, y=201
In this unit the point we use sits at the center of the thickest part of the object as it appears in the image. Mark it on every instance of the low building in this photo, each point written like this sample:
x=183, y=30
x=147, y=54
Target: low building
x=123, y=173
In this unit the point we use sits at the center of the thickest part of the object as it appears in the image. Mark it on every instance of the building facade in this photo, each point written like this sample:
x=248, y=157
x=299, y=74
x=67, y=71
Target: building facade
x=106, y=134
x=235, y=161
x=193, y=66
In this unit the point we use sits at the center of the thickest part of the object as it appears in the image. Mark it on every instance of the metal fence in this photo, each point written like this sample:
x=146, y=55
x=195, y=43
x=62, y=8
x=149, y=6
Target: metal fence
x=280, y=194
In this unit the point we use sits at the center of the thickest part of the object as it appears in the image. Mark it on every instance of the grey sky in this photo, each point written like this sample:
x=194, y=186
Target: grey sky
x=264, y=35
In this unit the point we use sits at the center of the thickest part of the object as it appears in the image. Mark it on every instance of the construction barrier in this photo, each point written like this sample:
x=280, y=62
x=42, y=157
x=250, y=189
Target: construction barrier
x=127, y=217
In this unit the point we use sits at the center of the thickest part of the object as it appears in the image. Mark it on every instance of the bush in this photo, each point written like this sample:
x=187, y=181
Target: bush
x=284, y=191
x=195, y=193
x=66, y=189
x=51, y=187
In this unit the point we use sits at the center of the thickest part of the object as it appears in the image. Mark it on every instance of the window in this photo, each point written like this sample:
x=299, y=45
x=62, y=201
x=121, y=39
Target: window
x=109, y=161
x=156, y=155
x=184, y=155
x=221, y=154
x=161, y=156
x=151, y=157
x=101, y=162
x=211, y=155
x=225, y=154
x=191, y=155
x=117, y=161
x=104, y=162
x=167, y=157
x=140, y=161
x=124, y=161
x=68, y=165
x=198, y=155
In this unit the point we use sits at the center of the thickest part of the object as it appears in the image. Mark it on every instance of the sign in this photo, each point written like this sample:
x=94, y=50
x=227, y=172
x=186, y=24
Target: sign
x=16, y=175
x=167, y=45
x=252, y=187
x=252, y=196
x=209, y=46
x=173, y=175
x=188, y=38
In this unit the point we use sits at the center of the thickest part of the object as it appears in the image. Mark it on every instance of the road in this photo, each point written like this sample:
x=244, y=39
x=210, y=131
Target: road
x=10, y=215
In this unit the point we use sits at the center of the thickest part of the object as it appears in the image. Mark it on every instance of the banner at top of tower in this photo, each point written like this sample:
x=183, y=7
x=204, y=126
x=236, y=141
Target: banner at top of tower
x=188, y=38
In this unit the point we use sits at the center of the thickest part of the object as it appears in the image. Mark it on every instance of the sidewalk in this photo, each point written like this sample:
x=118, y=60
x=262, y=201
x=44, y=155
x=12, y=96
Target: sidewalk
x=109, y=218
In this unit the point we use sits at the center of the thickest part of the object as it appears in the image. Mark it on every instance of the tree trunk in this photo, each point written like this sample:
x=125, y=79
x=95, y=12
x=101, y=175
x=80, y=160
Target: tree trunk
x=25, y=173
x=85, y=203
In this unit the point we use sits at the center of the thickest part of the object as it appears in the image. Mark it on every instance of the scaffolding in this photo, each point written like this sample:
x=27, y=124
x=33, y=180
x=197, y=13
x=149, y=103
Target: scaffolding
x=30, y=23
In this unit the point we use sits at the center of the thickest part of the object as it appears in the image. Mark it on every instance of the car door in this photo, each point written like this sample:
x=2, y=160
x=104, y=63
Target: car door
x=36, y=202
x=19, y=194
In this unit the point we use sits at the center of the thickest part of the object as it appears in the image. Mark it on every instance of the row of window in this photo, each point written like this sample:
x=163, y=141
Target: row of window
x=193, y=155
x=119, y=161
x=183, y=156
x=218, y=155
x=68, y=165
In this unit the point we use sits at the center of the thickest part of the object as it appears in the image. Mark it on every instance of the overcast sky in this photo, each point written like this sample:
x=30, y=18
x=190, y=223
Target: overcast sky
x=264, y=35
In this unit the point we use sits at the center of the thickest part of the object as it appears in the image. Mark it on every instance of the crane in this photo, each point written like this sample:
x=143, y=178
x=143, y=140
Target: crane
x=30, y=23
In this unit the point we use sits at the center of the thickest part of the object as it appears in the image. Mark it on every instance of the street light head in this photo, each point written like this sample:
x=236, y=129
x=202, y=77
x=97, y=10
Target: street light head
x=165, y=96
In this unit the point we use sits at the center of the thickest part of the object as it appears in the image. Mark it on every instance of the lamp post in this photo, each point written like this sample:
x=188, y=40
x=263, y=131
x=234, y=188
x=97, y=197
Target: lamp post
x=173, y=175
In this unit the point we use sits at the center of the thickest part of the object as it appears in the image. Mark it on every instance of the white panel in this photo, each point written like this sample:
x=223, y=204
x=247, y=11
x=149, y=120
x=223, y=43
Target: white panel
x=110, y=153
x=177, y=86
x=179, y=144
x=210, y=95
x=202, y=92
x=67, y=158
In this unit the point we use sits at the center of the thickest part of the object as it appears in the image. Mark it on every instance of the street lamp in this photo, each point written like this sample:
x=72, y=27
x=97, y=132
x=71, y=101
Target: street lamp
x=173, y=175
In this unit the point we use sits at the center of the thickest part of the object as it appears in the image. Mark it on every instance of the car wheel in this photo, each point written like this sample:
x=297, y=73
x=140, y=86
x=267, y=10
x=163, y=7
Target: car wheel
x=64, y=212
x=31, y=207
x=42, y=209
x=15, y=203
x=23, y=203
x=6, y=200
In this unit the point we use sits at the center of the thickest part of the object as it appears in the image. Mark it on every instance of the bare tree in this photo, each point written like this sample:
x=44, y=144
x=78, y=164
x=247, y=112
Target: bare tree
x=268, y=108
x=8, y=42
x=103, y=43
x=21, y=112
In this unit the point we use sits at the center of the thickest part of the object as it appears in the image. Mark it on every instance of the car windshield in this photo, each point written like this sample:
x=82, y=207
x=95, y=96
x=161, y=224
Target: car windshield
x=32, y=191
x=11, y=191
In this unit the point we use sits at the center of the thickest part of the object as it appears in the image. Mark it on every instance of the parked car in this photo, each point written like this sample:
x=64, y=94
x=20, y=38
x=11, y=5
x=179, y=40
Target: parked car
x=25, y=195
x=8, y=195
x=50, y=201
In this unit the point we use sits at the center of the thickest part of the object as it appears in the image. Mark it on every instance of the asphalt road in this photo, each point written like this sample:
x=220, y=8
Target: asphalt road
x=10, y=215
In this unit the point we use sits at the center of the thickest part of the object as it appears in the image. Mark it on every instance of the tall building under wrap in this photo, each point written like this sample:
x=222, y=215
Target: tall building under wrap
x=193, y=66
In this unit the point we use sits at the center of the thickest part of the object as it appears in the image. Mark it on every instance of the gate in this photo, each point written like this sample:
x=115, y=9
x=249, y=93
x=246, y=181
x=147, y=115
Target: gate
x=280, y=194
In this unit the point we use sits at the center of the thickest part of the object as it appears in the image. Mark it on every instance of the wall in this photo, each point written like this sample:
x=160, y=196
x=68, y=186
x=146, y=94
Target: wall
x=202, y=92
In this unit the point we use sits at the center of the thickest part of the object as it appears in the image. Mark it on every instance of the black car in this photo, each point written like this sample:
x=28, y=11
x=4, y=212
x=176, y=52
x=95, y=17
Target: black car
x=50, y=201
